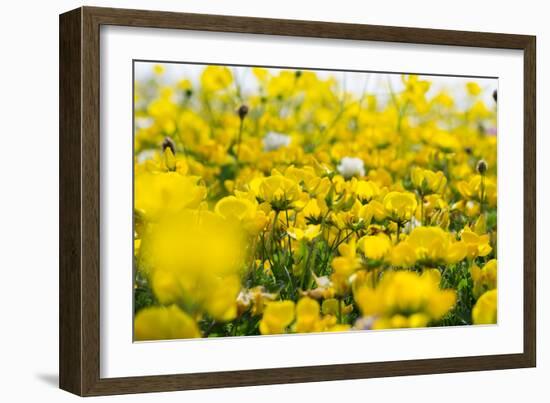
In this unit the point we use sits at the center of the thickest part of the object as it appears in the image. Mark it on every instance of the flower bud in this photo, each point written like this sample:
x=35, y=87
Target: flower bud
x=481, y=167
x=242, y=111
x=169, y=143
x=169, y=159
x=169, y=150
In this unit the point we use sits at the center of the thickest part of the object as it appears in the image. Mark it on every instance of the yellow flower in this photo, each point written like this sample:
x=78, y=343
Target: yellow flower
x=279, y=191
x=480, y=226
x=278, y=315
x=232, y=207
x=399, y=321
x=158, y=69
x=311, y=232
x=215, y=78
x=347, y=262
x=160, y=195
x=426, y=181
x=445, y=141
x=375, y=247
x=485, y=309
x=403, y=255
x=476, y=245
x=470, y=189
x=378, y=210
x=195, y=258
x=243, y=210
x=484, y=279
x=337, y=205
x=307, y=316
x=312, y=209
x=261, y=74
x=221, y=303
x=164, y=323
x=405, y=293
x=335, y=307
x=415, y=88
x=282, y=85
x=366, y=191
x=169, y=159
x=400, y=206
x=432, y=245
x=479, y=111
x=478, y=188
x=473, y=88
x=184, y=85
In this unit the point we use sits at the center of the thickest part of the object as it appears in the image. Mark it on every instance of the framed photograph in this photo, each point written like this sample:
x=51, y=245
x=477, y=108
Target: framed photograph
x=249, y=201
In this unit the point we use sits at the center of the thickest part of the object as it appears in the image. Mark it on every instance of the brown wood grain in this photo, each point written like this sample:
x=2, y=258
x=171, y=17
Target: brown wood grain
x=70, y=271
x=80, y=195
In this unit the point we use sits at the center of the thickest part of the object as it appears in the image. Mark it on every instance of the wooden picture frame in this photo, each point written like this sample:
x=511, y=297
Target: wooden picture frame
x=80, y=199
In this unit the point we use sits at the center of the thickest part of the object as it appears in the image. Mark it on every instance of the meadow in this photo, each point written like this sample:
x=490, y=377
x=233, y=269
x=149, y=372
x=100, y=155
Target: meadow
x=296, y=205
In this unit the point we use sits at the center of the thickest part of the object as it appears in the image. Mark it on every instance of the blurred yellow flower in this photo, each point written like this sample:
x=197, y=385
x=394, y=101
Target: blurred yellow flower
x=233, y=207
x=278, y=315
x=163, y=194
x=307, y=316
x=215, y=78
x=164, y=323
x=473, y=88
x=348, y=261
x=406, y=294
x=485, y=309
x=375, y=247
x=195, y=258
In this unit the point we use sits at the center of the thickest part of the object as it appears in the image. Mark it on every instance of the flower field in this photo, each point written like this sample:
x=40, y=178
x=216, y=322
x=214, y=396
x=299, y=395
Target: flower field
x=294, y=205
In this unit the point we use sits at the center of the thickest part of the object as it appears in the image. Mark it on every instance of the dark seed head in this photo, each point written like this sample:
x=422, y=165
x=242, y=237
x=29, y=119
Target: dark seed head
x=298, y=74
x=481, y=167
x=242, y=111
x=495, y=95
x=169, y=143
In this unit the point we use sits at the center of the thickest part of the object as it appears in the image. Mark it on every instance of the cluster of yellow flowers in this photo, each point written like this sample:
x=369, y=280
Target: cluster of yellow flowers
x=304, y=208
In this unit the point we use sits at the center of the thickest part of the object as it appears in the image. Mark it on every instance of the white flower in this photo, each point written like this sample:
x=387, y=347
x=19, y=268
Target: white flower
x=145, y=155
x=273, y=141
x=143, y=123
x=351, y=166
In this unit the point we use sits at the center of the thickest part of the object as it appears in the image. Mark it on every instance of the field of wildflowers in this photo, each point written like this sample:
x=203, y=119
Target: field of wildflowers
x=302, y=207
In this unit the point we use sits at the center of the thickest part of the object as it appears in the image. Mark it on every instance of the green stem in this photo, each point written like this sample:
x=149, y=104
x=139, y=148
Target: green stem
x=288, y=236
x=340, y=242
x=306, y=267
x=421, y=209
x=482, y=195
x=239, y=138
x=398, y=232
x=273, y=230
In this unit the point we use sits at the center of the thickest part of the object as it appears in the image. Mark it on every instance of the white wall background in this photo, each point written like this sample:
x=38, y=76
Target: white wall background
x=29, y=199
